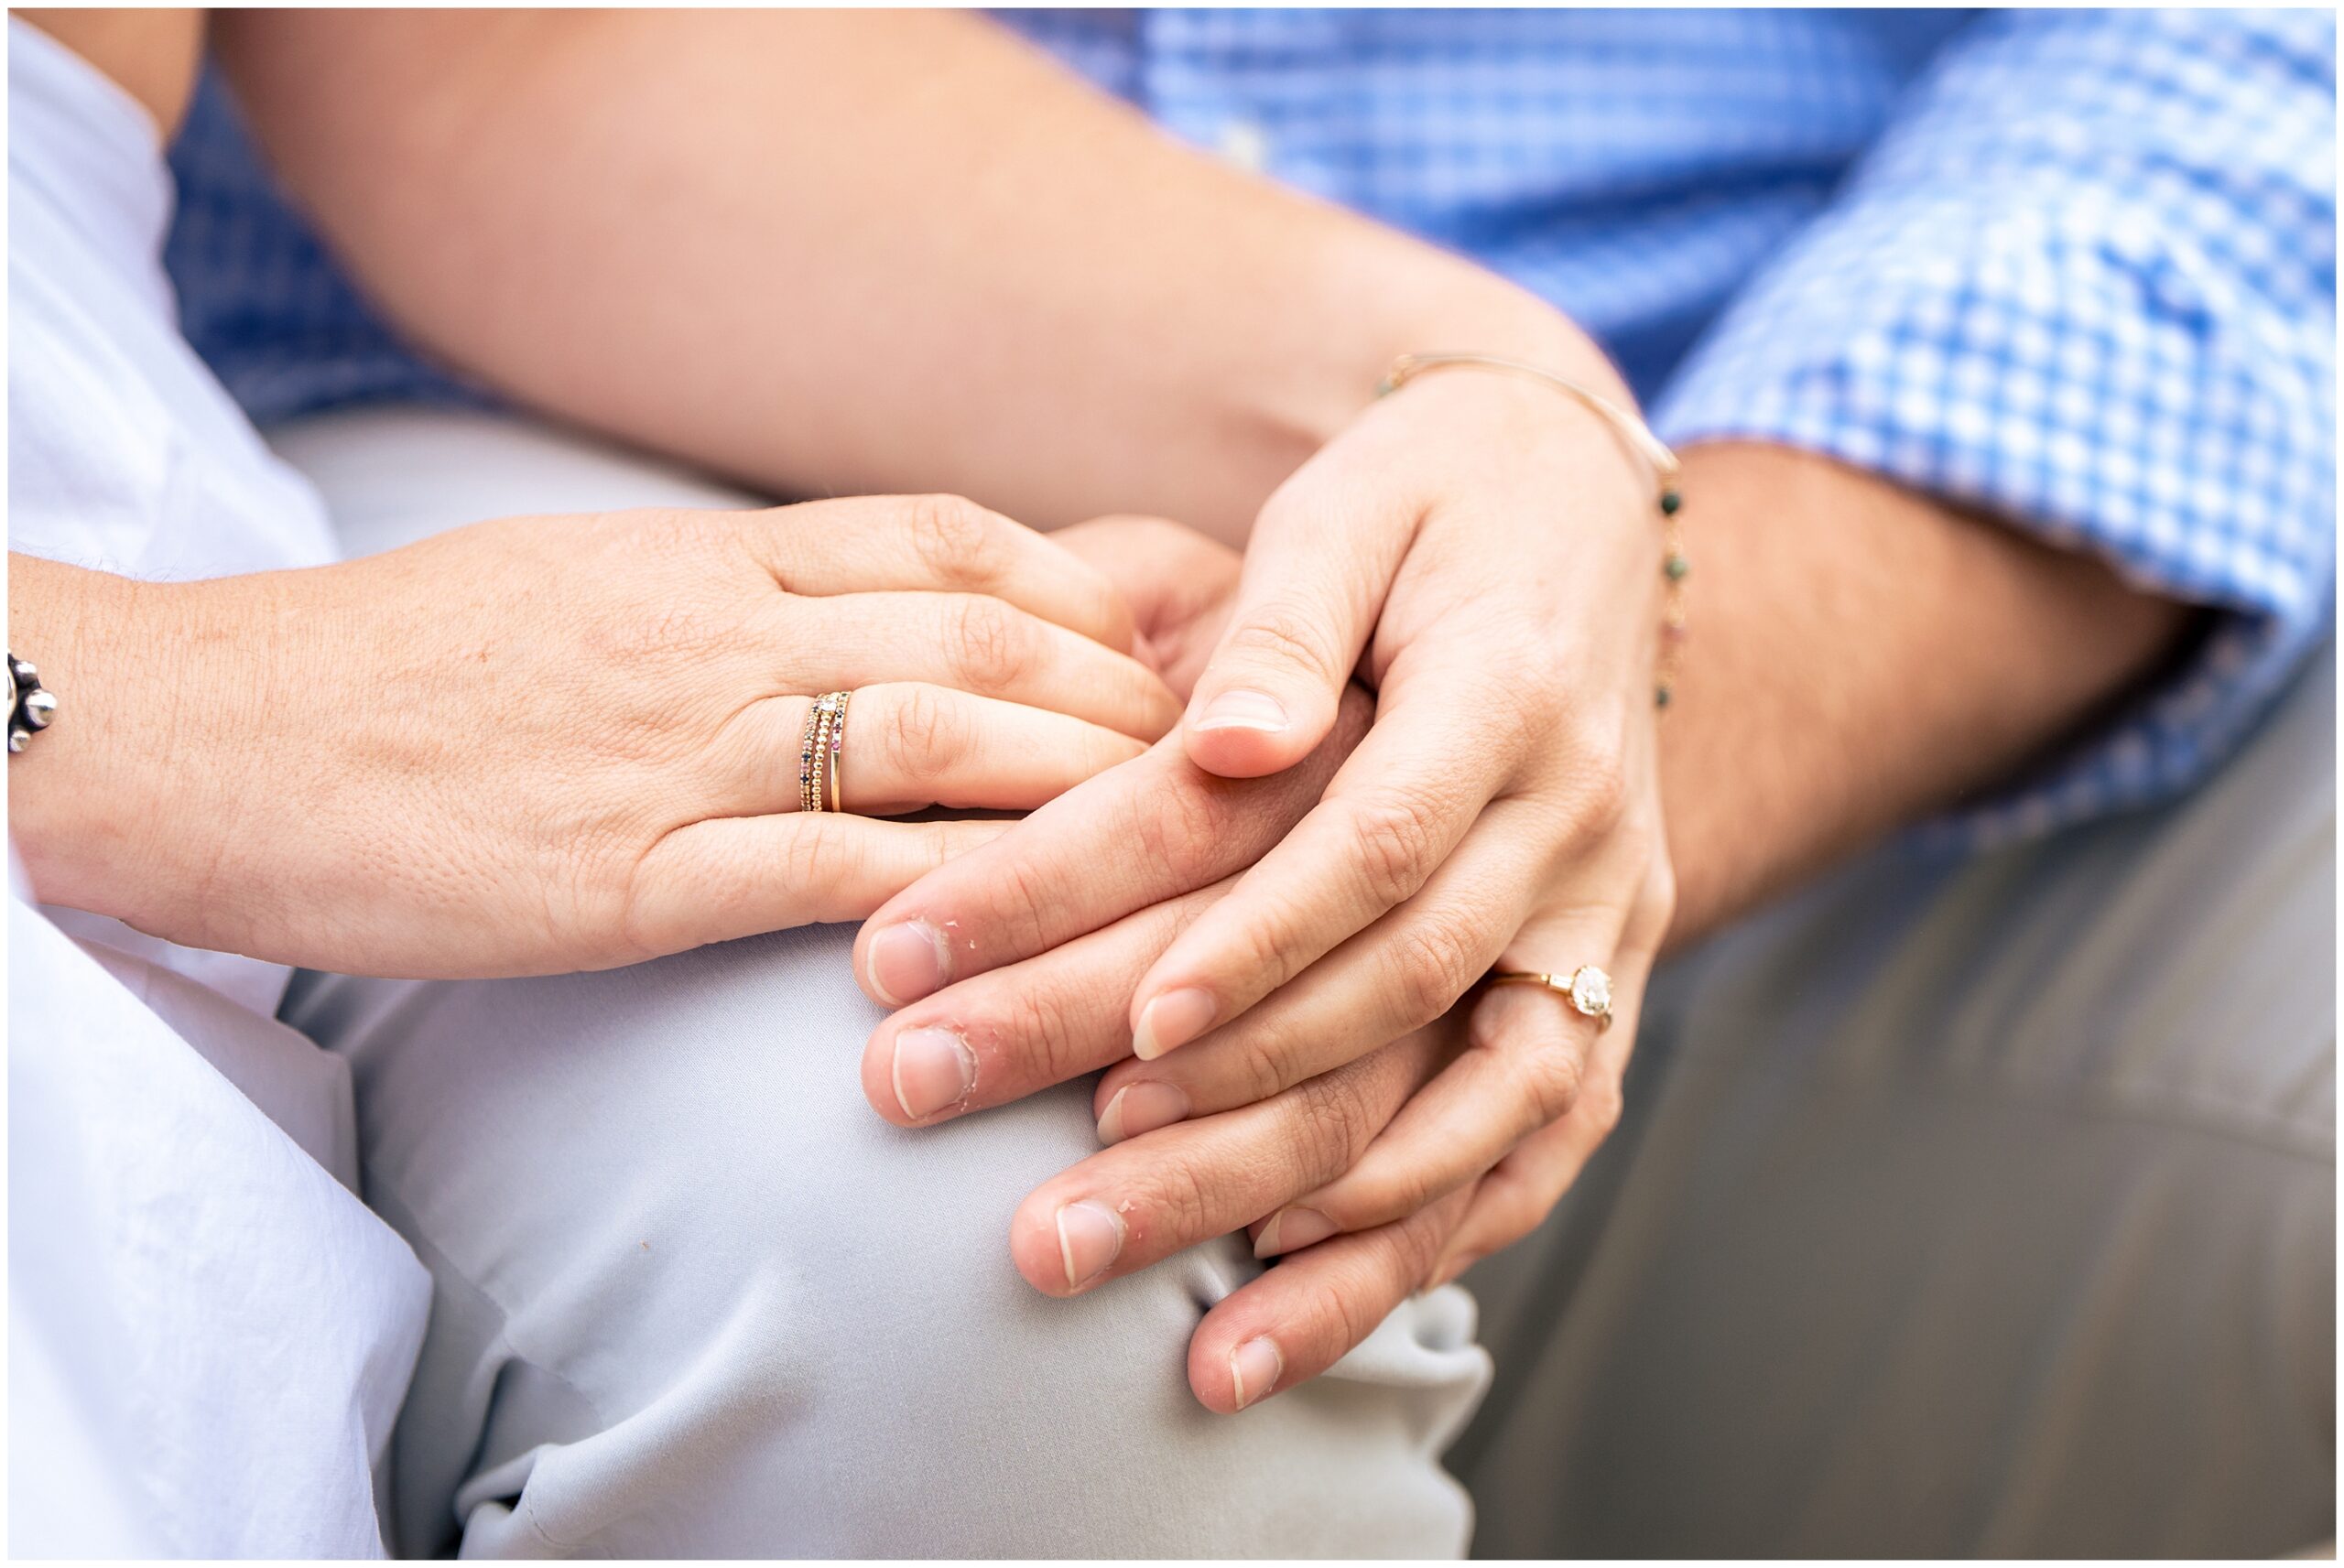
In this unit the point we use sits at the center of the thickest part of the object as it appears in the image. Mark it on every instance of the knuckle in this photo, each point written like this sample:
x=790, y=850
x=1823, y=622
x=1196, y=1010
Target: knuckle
x=1514, y=1214
x=1036, y=1028
x=1182, y=1200
x=1353, y=1304
x=1259, y=952
x=1021, y=899
x=1515, y=680
x=1258, y=1060
x=1599, y=788
x=956, y=539
x=1552, y=1078
x=939, y=841
x=1178, y=827
x=1417, y=1246
x=1601, y=1105
x=1094, y=597
x=1282, y=633
x=1511, y=692
x=1637, y=839
x=931, y=733
x=993, y=648
x=1433, y=965
x=1338, y=1120
x=1659, y=901
x=1396, y=1189
x=817, y=857
x=1396, y=836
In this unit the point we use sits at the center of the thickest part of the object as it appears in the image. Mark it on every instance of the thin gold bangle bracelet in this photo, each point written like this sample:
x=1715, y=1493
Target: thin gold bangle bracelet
x=1675, y=565
x=1634, y=431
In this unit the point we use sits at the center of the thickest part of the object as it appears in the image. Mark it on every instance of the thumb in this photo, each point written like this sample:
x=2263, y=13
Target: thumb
x=1314, y=580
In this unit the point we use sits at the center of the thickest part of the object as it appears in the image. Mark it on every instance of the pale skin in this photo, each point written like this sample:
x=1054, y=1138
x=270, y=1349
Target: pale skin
x=541, y=745
x=1003, y=286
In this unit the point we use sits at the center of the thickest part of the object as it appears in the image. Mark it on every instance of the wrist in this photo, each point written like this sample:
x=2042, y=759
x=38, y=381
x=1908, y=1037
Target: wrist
x=1433, y=303
x=101, y=811
x=1509, y=323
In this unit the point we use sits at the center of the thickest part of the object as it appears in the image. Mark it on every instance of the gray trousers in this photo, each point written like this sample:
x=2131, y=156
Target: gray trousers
x=1972, y=1209
x=1981, y=1210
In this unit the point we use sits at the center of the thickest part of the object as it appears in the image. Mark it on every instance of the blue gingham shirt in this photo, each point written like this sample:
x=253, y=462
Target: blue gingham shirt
x=2074, y=269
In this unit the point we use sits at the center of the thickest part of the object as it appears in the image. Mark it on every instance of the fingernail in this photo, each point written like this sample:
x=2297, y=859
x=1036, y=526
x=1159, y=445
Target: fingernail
x=1242, y=709
x=1090, y=1234
x=1254, y=1369
x=1291, y=1230
x=934, y=1069
x=1142, y=1107
x=906, y=962
x=1171, y=1020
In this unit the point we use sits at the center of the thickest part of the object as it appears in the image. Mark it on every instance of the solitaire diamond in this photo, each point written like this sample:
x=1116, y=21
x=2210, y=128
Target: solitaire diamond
x=1591, y=992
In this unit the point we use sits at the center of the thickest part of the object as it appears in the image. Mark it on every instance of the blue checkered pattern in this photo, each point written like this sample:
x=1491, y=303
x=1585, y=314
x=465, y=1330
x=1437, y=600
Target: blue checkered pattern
x=2086, y=283
x=259, y=297
x=2076, y=270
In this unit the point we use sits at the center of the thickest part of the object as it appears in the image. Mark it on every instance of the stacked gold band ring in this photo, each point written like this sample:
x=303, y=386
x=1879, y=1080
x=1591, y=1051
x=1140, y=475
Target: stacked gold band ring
x=1587, y=989
x=818, y=752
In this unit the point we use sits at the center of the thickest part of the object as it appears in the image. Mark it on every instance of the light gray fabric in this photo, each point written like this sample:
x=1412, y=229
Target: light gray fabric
x=694, y=1298
x=1980, y=1210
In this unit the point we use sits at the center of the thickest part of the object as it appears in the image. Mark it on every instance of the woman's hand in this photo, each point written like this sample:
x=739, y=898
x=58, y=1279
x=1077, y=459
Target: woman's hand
x=546, y=744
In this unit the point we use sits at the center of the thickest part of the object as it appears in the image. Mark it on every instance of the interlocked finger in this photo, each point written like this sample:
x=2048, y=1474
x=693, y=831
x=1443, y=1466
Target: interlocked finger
x=1522, y=1189
x=1154, y=831
x=1399, y=974
x=1525, y=1062
x=1396, y=810
x=1000, y=1035
x=1148, y=1197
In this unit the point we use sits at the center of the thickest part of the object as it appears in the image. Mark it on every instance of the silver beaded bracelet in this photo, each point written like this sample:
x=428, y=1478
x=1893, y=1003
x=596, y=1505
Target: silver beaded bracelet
x=30, y=705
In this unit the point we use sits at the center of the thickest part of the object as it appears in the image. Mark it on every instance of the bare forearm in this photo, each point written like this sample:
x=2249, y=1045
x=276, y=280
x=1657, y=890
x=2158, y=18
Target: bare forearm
x=837, y=252
x=1862, y=657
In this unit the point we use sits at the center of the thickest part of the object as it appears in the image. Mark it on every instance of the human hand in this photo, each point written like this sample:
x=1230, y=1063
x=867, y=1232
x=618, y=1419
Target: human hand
x=546, y=744
x=1495, y=551
x=1144, y=1198
x=1571, y=853
x=1296, y=1319
x=1174, y=1177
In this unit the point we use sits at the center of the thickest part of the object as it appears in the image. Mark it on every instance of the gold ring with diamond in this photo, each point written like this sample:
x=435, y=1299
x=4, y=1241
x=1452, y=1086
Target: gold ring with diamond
x=1587, y=988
